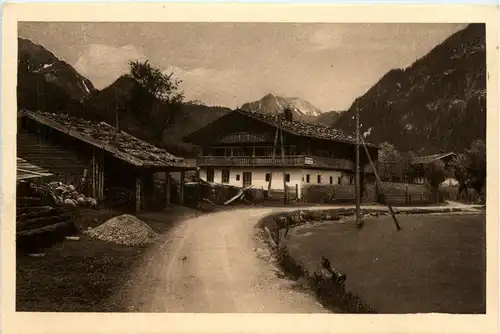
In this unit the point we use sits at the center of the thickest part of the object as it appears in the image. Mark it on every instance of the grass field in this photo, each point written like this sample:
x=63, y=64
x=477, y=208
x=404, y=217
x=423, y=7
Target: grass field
x=81, y=276
x=436, y=263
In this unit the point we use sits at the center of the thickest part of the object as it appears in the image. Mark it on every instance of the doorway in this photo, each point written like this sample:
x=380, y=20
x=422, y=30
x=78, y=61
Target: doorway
x=247, y=179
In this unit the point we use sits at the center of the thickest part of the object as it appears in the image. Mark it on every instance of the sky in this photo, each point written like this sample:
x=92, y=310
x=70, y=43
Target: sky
x=228, y=64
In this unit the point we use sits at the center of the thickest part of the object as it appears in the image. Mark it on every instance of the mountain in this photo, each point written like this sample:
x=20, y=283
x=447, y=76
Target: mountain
x=46, y=82
x=436, y=104
x=329, y=117
x=272, y=104
x=50, y=84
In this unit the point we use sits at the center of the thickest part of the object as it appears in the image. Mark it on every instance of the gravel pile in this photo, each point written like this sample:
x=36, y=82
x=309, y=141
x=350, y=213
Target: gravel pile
x=126, y=230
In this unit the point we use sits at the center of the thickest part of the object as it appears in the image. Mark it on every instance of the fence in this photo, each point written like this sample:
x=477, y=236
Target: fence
x=336, y=193
x=279, y=194
x=396, y=193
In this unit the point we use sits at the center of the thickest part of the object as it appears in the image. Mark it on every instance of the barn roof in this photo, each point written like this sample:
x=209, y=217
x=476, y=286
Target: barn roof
x=300, y=128
x=103, y=136
x=430, y=158
x=26, y=170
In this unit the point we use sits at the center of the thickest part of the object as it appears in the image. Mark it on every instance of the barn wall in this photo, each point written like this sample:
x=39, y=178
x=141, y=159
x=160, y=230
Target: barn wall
x=66, y=164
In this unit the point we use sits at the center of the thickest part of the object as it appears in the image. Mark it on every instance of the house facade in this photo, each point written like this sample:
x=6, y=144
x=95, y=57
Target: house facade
x=264, y=151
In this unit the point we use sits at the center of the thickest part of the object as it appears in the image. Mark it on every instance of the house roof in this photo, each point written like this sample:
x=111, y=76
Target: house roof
x=26, y=170
x=430, y=158
x=300, y=128
x=103, y=136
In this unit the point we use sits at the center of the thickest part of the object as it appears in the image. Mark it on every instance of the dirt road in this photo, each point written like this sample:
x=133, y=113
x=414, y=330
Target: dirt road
x=211, y=263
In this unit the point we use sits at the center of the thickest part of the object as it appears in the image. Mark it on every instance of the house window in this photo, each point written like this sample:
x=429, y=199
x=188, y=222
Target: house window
x=287, y=177
x=331, y=179
x=268, y=177
x=339, y=180
x=308, y=178
x=210, y=175
x=237, y=177
x=225, y=176
x=319, y=178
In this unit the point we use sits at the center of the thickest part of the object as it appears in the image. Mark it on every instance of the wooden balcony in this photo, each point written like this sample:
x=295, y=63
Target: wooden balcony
x=245, y=137
x=289, y=161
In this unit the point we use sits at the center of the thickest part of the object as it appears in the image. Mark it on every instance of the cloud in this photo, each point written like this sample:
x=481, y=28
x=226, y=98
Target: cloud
x=103, y=64
x=325, y=39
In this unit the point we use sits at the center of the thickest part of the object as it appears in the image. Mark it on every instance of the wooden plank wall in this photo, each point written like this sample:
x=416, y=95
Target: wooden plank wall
x=97, y=177
x=67, y=166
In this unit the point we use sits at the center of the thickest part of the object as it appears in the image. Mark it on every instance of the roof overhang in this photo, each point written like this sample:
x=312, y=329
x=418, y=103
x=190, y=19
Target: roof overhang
x=117, y=153
x=190, y=137
x=26, y=170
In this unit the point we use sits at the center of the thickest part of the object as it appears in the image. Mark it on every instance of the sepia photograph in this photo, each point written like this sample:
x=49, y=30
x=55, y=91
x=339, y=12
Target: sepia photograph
x=252, y=167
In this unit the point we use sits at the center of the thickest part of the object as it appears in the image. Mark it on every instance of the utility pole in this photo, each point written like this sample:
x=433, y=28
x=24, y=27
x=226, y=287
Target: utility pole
x=359, y=223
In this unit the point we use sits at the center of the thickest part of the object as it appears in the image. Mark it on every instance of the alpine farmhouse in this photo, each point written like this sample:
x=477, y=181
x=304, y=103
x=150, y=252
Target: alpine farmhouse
x=244, y=148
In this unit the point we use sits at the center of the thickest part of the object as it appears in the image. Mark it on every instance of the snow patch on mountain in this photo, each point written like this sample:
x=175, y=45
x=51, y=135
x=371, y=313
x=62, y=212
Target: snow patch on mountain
x=273, y=104
x=85, y=86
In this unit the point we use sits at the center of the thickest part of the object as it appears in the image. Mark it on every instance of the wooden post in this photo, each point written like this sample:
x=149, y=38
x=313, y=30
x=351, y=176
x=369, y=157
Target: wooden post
x=285, y=197
x=421, y=198
x=381, y=188
x=181, y=188
x=167, y=188
x=358, y=199
x=138, y=193
x=101, y=177
x=406, y=195
x=94, y=174
x=297, y=192
x=272, y=162
x=98, y=178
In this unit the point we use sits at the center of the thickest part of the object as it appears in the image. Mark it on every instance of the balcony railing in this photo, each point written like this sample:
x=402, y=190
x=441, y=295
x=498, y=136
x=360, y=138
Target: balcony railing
x=288, y=161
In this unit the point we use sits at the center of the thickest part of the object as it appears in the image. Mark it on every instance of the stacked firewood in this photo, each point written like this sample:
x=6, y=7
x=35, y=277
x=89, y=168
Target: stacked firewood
x=39, y=225
x=67, y=195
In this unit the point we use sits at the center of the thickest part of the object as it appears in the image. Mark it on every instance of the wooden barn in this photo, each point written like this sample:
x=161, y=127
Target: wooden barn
x=417, y=174
x=245, y=148
x=114, y=166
